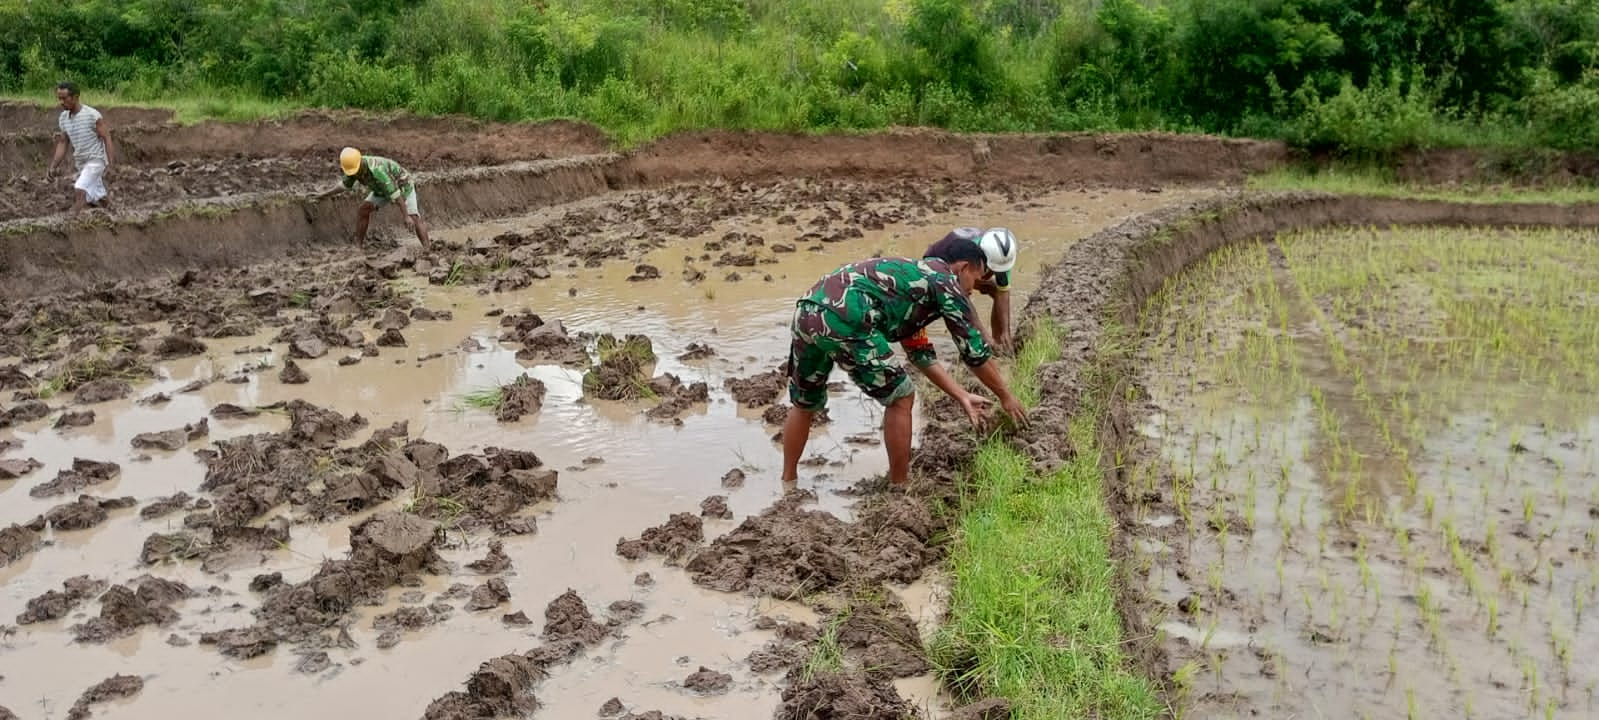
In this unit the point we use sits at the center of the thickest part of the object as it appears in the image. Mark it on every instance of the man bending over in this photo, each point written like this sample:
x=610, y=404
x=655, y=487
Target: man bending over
x=850, y=317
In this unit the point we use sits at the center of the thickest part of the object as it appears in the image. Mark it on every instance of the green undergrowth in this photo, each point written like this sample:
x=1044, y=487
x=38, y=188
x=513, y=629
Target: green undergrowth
x=187, y=109
x=1376, y=182
x=1033, y=614
x=1354, y=77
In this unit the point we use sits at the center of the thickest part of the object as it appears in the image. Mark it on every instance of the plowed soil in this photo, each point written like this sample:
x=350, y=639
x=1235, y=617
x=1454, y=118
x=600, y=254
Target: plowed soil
x=433, y=469
x=360, y=513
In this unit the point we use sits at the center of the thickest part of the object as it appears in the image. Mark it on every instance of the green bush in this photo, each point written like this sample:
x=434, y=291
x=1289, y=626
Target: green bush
x=1337, y=75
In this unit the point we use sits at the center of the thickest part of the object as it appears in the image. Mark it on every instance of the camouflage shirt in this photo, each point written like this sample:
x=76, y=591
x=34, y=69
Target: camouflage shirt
x=384, y=177
x=899, y=298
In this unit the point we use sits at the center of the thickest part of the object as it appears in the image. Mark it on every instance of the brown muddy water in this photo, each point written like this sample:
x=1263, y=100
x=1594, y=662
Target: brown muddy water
x=620, y=472
x=1367, y=486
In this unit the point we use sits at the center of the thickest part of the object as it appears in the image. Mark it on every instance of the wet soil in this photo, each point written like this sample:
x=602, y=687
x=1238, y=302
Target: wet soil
x=115, y=687
x=1298, y=578
x=320, y=527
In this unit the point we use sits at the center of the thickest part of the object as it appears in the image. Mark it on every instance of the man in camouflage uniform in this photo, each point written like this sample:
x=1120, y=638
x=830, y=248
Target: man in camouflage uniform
x=385, y=182
x=850, y=317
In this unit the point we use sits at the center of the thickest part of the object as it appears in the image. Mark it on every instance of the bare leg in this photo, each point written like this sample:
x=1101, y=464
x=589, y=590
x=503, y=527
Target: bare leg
x=81, y=199
x=363, y=219
x=421, y=229
x=897, y=438
x=796, y=431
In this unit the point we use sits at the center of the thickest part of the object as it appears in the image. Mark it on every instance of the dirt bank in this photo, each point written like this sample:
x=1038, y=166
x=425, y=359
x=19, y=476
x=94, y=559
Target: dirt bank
x=1104, y=279
x=316, y=137
x=54, y=254
x=18, y=116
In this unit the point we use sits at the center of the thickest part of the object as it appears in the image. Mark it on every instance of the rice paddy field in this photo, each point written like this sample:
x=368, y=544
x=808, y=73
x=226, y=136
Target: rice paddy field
x=1364, y=484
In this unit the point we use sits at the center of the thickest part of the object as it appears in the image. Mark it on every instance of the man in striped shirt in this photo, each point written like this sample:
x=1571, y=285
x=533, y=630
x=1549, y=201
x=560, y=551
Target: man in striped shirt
x=385, y=182
x=92, y=150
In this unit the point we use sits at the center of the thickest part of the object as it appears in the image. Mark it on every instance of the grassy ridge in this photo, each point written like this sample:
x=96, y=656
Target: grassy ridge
x=1033, y=614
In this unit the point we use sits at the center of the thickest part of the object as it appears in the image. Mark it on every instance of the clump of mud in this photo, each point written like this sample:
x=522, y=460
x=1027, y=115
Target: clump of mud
x=544, y=343
x=115, y=687
x=13, y=469
x=673, y=539
x=124, y=610
x=15, y=542
x=676, y=398
x=523, y=396
x=696, y=351
x=173, y=439
x=841, y=695
x=82, y=474
x=503, y=686
x=706, y=681
x=789, y=552
x=757, y=390
x=56, y=604
x=384, y=549
x=303, y=467
x=87, y=512
x=622, y=372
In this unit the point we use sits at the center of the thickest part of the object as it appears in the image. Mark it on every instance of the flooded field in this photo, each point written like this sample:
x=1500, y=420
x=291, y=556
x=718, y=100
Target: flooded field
x=302, y=491
x=1367, y=483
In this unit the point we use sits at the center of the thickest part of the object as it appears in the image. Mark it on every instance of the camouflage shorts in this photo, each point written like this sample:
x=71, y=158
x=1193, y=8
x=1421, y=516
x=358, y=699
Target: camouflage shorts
x=817, y=347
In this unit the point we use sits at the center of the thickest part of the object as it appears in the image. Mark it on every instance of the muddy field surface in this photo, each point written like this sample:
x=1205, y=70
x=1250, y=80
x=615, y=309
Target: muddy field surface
x=1367, y=476
x=34, y=195
x=532, y=470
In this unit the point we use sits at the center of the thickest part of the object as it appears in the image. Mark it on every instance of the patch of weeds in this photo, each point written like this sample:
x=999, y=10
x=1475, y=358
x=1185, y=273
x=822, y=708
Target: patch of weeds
x=827, y=656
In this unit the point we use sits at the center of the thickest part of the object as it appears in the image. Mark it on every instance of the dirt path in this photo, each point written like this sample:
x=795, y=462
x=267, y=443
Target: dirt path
x=391, y=477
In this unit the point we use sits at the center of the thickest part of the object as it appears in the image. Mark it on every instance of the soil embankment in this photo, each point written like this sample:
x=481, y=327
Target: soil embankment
x=55, y=254
x=22, y=116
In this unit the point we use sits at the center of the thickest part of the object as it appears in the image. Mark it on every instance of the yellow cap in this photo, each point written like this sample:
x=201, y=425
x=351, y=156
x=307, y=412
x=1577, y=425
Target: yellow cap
x=350, y=160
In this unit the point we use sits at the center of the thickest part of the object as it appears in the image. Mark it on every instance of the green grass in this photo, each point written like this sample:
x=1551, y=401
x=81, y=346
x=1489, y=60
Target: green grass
x=486, y=397
x=1362, y=181
x=1033, y=613
x=188, y=108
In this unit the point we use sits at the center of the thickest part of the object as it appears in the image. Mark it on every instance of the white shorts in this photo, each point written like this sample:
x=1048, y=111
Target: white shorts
x=89, y=181
x=408, y=196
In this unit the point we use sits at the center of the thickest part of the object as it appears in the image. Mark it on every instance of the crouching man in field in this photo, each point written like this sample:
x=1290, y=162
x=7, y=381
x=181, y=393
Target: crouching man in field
x=385, y=182
x=850, y=317
x=1001, y=248
x=85, y=130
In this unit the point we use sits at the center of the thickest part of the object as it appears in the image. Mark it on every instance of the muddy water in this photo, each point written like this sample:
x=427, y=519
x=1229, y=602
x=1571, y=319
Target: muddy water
x=646, y=470
x=1308, y=568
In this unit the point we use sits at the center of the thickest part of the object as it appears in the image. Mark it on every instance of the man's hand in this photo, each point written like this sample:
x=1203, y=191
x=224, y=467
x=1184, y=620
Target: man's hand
x=50, y=173
x=1013, y=408
x=410, y=223
x=976, y=407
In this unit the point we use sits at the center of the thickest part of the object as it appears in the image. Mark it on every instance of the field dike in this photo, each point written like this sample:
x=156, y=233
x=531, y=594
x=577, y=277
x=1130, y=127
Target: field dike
x=1091, y=299
x=56, y=254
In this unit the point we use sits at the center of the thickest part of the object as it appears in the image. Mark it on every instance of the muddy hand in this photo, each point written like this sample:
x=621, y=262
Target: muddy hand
x=976, y=407
x=1013, y=408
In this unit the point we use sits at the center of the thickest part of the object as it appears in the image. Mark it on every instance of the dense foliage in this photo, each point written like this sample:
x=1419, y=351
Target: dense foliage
x=1358, y=75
